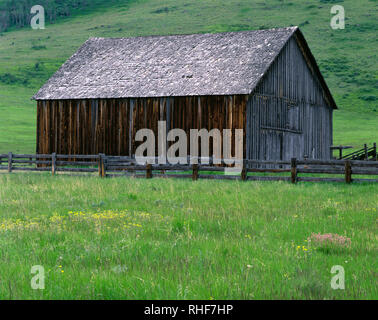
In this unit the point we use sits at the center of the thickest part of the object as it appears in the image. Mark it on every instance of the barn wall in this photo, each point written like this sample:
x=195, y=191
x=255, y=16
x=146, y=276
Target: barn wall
x=106, y=125
x=287, y=114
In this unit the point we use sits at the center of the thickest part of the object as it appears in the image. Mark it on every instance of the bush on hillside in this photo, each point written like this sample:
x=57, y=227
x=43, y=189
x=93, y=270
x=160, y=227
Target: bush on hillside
x=17, y=12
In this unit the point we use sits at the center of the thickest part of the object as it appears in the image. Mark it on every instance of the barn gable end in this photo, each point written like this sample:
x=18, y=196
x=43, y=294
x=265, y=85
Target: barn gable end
x=290, y=112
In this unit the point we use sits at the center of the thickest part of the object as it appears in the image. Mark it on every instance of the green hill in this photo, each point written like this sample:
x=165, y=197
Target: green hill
x=347, y=58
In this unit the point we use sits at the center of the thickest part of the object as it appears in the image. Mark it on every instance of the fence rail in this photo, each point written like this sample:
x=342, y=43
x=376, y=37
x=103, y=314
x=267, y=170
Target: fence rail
x=365, y=153
x=264, y=170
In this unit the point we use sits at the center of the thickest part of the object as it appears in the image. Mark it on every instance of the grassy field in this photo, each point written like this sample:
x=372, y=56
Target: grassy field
x=347, y=58
x=174, y=239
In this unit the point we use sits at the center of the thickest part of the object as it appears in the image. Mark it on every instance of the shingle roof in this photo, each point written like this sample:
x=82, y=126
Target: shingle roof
x=157, y=66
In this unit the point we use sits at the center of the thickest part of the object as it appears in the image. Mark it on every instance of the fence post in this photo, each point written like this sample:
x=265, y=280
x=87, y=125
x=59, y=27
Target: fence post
x=148, y=171
x=244, y=171
x=103, y=166
x=366, y=152
x=195, y=172
x=293, y=170
x=348, y=172
x=53, y=163
x=375, y=151
x=10, y=156
x=99, y=165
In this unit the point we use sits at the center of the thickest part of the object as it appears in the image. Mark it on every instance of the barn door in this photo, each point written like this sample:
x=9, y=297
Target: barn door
x=293, y=139
x=293, y=143
x=271, y=145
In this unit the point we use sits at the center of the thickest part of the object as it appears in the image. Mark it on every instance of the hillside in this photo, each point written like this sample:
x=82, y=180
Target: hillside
x=347, y=58
x=16, y=13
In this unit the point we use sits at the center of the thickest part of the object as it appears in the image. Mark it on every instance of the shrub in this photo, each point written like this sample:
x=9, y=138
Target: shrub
x=9, y=78
x=35, y=47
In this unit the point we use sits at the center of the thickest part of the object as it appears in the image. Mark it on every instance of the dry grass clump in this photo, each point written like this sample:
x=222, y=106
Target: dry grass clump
x=327, y=239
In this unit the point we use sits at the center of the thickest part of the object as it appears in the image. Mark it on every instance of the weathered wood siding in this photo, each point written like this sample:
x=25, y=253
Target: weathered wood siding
x=109, y=125
x=287, y=114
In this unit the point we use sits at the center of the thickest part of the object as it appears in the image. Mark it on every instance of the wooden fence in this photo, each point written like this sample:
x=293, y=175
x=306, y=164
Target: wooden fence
x=269, y=170
x=365, y=153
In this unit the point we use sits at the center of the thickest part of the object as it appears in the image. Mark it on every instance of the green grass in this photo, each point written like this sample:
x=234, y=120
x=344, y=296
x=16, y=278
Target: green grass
x=347, y=58
x=176, y=239
x=18, y=121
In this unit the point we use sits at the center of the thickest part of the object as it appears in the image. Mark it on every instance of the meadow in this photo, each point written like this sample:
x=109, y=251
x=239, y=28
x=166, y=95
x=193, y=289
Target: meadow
x=174, y=239
x=126, y=238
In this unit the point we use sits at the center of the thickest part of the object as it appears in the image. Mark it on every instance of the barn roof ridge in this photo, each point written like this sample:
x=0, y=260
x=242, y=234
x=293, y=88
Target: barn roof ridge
x=293, y=28
x=199, y=64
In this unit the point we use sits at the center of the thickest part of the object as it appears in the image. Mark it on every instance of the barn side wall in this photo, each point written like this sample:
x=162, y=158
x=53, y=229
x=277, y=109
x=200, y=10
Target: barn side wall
x=109, y=125
x=287, y=114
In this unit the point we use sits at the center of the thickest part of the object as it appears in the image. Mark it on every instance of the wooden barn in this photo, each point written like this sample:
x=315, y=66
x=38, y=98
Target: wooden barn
x=265, y=82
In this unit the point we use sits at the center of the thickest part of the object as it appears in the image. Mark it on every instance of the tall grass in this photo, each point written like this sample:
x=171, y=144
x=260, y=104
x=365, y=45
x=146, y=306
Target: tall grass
x=174, y=239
